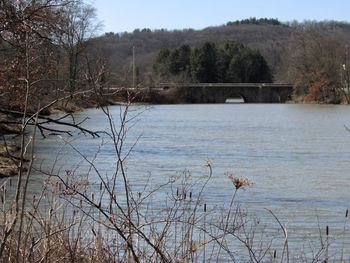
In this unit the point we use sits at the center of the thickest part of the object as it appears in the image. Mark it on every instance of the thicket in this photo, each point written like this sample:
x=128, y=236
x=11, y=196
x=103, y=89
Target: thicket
x=212, y=63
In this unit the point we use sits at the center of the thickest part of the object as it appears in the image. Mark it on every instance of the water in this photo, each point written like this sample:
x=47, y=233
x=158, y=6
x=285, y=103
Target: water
x=296, y=155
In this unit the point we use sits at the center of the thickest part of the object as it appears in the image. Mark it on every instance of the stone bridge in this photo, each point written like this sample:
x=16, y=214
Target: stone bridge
x=220, y=92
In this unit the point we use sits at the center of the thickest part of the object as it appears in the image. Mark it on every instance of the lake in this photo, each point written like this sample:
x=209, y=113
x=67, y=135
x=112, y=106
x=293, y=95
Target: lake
x=296, y=155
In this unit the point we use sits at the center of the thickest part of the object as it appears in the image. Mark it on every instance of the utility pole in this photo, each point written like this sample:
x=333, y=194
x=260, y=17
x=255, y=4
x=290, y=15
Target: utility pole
x=133, y=68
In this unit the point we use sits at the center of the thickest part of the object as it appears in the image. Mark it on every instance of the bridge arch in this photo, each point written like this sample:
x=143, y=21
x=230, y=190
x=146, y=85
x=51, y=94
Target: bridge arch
x=236, y=99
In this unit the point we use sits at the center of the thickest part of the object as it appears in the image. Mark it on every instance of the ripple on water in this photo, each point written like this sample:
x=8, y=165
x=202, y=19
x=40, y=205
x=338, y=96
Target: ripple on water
x=297, y=156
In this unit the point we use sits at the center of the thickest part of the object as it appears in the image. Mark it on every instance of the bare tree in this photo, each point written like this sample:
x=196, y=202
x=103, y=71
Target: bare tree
x=28, y=49
x=78, y=24
x=315, y=64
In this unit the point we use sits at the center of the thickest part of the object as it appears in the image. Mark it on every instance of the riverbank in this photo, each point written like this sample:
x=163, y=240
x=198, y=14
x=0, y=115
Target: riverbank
x=8, y=160
x=8, y=164
x=9, y=126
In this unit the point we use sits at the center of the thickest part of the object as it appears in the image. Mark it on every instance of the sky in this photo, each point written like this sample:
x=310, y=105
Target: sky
x=127, y=15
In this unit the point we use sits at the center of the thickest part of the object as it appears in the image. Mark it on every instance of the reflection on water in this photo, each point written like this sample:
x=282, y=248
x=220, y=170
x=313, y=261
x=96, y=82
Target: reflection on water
x=234, y=100
x=296, y=155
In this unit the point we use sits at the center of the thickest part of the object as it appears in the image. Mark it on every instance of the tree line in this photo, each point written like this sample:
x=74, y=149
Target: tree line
x=255, y=21
x=211, y=63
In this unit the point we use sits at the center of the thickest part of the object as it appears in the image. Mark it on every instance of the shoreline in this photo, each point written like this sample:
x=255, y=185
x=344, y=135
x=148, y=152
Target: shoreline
x=8, y=160
x=8, y=150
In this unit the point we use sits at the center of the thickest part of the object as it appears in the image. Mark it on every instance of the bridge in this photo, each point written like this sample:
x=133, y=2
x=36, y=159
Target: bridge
x=220, y=92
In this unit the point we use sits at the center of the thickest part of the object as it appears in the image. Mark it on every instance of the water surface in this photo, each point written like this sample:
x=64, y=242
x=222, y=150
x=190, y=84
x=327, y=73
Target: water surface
x=296, y=155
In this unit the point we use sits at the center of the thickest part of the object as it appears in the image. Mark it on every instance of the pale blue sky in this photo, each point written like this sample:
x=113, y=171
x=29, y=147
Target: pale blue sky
x=126, y=15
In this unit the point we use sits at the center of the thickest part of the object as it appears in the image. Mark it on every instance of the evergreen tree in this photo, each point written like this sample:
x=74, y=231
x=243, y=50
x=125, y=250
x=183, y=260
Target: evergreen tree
x=248, y=66
x=203, y=63
x=161, y=67
x=225, y=62
x=235, y=72
x=226, y=51
x=184, y=57
x=174, y=65
x=180, y=60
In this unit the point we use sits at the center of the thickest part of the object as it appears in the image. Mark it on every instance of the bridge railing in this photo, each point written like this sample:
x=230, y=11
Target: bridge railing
x=221, y=85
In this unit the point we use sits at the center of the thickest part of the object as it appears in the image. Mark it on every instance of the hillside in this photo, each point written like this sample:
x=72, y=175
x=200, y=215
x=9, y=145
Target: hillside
x=307, y=55
x=269, y=39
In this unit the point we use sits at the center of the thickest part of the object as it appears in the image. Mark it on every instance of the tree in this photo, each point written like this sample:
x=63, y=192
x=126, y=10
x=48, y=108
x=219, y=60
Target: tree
x=203, y=63
x=173, y=65
x=248, y=66
x=226, y=52
x=184, y=57
x=316, y=65
x=224, y=62
x=77, y=25
x=28, y=49
x=179, y=62
x=174, y=62
x=161, y=67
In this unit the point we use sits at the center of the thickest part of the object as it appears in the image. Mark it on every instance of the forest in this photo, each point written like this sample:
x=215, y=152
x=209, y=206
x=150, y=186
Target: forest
x=57, y=48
